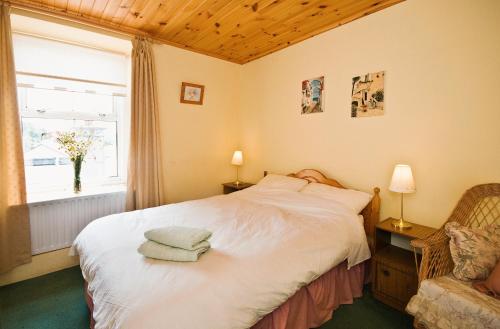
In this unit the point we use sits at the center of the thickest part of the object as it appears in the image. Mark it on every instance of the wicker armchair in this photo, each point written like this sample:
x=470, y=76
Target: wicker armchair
x=479, y=206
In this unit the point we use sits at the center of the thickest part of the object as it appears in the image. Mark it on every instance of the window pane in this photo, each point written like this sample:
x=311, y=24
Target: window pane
x=44, y=160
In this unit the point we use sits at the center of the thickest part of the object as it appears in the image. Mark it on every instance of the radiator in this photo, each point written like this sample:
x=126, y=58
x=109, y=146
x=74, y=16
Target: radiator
x=55, y=224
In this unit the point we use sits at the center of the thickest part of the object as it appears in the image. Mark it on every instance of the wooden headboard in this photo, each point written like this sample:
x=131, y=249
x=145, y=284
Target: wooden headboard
x=371, y=213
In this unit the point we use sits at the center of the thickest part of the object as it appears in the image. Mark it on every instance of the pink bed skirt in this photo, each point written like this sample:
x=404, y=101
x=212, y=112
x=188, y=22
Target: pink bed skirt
x=311, y=305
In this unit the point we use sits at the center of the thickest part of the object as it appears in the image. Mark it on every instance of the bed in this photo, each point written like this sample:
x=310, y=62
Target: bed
x=279, y=259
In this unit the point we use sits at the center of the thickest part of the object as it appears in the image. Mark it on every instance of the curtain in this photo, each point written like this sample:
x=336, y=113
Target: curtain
x=15, y=243
x=144, y=179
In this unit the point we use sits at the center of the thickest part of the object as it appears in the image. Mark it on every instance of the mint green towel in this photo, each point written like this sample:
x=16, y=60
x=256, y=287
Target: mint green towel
x=188, y=238
x=160, y=251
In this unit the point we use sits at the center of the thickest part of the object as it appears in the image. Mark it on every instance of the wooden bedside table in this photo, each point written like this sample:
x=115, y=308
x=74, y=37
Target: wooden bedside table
x=232, y=187
x=395, y=278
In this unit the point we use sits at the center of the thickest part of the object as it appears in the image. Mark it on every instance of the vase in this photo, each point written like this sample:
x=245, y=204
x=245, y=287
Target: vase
x=77, y=166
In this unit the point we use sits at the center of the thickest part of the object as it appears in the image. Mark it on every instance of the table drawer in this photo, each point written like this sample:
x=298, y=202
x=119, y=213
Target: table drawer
x=395, y=283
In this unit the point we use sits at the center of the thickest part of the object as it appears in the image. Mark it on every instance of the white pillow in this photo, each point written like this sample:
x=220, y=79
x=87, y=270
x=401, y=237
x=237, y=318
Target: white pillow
x=281, y=182
x=356, y=200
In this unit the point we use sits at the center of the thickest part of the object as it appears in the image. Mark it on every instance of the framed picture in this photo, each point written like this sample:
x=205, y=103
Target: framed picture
x=312, y=95
x=367, y=96
x=192, y=93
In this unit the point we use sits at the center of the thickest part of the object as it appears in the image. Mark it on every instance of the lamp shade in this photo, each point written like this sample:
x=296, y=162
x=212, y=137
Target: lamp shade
x=402, y=179
x=237, y=158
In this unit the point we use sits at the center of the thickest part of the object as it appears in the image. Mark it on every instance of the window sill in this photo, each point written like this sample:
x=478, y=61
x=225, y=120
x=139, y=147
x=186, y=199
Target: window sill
x=42, y=197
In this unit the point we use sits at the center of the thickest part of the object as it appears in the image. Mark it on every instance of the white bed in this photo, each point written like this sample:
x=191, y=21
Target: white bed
x=266, y=244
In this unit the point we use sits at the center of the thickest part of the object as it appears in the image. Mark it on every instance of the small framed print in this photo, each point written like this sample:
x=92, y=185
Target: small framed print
x=312, y=95
x=368, y=95
x=192, y=93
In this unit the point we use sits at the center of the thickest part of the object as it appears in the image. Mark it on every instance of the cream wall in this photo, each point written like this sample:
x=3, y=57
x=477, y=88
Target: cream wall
x=197, y=141
x=442, y=116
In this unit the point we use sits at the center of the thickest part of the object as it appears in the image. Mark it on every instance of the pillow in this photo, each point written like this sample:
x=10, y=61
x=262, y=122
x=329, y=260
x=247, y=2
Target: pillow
x=355, y=200
x=281, y=182
x=474, y=251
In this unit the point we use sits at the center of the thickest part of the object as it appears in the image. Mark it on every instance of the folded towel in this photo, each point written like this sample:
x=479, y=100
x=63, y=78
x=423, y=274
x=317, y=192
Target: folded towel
x=178, y=236
x=156, y=250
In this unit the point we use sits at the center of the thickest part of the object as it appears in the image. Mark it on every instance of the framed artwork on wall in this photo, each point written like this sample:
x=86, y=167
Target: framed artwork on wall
x=192, y=93
x=367, y=96
x=312, y=95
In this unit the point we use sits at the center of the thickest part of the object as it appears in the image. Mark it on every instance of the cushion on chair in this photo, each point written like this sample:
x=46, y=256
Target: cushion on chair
x=474, y=251
x=446, y=302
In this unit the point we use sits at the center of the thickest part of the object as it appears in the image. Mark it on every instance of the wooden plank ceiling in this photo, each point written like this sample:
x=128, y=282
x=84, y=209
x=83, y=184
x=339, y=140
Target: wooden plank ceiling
x=236, y=30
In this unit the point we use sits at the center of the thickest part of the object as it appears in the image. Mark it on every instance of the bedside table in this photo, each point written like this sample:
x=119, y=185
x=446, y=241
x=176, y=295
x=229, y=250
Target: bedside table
x=232, y=187
x=395, y=278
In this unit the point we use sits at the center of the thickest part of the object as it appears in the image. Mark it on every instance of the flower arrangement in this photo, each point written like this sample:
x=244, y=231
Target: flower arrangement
x=76, y=147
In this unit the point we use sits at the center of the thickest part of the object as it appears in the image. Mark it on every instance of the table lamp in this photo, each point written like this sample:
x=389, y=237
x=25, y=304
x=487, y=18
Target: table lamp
x=402, y=182
x=237, y=161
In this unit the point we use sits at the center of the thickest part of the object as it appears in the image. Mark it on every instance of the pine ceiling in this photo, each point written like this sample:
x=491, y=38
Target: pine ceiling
x=235, y=30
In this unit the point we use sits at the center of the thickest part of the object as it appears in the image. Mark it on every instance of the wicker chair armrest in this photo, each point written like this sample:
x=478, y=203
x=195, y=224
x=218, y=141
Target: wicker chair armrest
x=435, y=239
x=436, y=258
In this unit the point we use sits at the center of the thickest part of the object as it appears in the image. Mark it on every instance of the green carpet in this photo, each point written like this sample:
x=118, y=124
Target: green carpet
x=55, y=301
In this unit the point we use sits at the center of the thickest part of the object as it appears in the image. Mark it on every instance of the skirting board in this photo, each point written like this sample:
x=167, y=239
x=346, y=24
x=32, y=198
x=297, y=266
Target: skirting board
x=41, y=264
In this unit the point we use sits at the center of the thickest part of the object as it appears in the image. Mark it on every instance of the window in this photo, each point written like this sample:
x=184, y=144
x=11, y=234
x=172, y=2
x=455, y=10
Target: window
x=71, y=88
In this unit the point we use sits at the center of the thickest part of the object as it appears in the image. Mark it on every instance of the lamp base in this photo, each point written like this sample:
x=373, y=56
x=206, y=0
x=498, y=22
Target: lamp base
x=400, y=224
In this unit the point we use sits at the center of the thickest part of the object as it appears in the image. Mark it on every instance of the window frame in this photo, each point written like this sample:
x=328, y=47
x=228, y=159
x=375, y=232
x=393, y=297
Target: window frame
x=120, y=117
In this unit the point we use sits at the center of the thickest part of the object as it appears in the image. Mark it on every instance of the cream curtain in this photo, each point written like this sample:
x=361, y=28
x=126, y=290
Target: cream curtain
x=144, y=180
x=15, y=243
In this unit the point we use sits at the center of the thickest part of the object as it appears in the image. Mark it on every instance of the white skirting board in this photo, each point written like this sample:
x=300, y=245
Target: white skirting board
x=55, y=224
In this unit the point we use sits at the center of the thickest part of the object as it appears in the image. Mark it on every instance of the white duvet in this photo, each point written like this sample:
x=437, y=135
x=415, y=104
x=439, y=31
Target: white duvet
x=266, y=244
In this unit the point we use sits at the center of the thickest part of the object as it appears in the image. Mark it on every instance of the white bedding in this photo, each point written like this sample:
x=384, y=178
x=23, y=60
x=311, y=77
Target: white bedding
x=266, y=244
